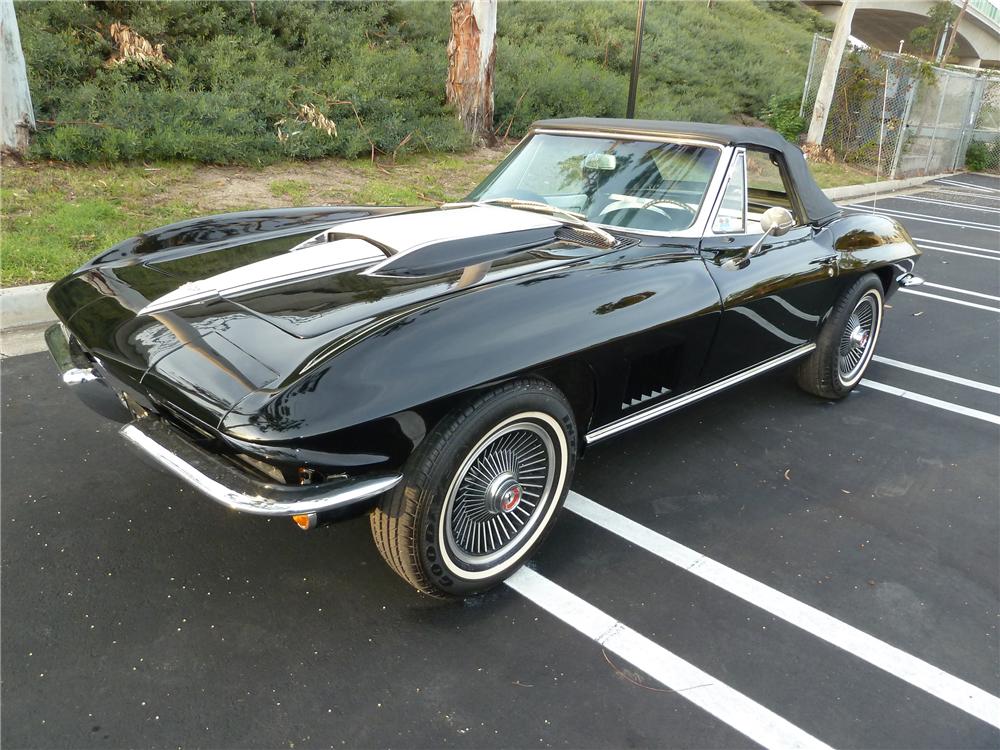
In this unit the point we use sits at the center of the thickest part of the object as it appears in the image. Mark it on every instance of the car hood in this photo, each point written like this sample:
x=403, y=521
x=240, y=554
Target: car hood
x=203, y=329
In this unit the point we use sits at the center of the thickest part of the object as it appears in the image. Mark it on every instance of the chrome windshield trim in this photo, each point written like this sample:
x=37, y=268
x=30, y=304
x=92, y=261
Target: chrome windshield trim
x=257, y=498
x=690, y=397
x=699, y=225
x=632, y=136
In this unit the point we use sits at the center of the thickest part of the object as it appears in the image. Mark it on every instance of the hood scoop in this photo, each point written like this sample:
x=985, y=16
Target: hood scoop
x=411, y=244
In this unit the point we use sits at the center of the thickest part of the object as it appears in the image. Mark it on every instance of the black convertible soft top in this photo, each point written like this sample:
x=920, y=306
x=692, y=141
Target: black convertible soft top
x=817, y=206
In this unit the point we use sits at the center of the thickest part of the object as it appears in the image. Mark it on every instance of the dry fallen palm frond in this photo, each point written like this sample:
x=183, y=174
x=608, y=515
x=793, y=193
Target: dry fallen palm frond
x=318, y=120
x=133, y=47
x=307, y=115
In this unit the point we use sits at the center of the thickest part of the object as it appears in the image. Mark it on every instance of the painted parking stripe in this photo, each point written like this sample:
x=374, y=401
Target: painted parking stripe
x=936, y=402
x=691, y=683
x=942, y=243
x=917, y=672
x=924, y=218
x=961, y=291
x=937, y=374
x=950, y=204
x=914, y=217
x=949, y=299
x=967, y=185
x=925, y=246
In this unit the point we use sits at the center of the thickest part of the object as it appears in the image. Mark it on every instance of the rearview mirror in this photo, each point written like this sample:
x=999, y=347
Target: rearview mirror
x=600, y=162
x=776, y=221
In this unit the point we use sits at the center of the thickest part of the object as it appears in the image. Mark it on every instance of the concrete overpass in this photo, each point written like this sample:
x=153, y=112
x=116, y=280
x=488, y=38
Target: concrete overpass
x=882, y=23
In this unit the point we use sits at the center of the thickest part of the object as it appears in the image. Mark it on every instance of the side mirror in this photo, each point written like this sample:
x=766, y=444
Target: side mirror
x=776, y=221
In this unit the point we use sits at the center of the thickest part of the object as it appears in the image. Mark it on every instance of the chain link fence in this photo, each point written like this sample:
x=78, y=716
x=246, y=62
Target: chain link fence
x=984, y=146
x=898, y=116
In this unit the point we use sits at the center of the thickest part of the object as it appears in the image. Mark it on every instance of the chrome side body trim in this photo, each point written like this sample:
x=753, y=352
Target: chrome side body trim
x=227, y=486
x=690, y=397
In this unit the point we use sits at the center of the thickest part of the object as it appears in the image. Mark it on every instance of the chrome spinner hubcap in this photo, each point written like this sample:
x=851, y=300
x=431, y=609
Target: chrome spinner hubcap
x=858, y=338
x=502, y=486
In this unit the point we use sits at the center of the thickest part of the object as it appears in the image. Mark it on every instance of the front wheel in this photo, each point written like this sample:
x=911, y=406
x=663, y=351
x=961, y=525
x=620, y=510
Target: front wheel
x=846, y=343
x=481, y=491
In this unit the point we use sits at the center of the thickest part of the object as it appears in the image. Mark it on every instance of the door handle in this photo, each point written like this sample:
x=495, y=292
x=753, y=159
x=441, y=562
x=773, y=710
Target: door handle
x=829, y=260
x=829, y=263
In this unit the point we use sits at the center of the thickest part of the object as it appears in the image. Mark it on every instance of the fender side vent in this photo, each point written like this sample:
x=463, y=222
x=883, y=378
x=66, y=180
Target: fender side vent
x=651, y=377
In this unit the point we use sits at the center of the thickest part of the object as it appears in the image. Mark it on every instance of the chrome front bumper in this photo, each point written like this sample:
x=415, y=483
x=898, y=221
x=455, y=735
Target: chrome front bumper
x=86, y=377
x=227, y=485
x=168, y=449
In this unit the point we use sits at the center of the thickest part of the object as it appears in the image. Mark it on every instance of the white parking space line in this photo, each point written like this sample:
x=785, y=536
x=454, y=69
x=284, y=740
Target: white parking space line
x=936, y=402
x=920, y=674
x=961, y=291
x=937, y=202
x=949, y=299
x=966, y=185
x=922, y=217
x=925, y=246
x=700, y=688
x=922, y=241
x=937, y=374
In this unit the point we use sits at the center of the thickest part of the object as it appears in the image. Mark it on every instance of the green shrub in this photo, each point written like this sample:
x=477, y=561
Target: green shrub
x=981, y=155
x=240, y=72
x=782, y=114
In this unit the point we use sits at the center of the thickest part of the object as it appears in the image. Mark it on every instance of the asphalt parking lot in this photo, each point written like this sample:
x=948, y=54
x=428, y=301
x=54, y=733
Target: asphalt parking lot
x=763, y=568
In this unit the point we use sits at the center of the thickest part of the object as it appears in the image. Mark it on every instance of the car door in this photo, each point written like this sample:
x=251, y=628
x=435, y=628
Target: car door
x=776, y=300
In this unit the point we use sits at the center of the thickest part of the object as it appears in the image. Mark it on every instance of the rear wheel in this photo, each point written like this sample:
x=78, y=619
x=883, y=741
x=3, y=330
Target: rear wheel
x=846, y=343
x=481, y=492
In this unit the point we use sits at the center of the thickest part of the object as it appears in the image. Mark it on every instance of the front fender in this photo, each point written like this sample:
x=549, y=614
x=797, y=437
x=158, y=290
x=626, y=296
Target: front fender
x=592, y=314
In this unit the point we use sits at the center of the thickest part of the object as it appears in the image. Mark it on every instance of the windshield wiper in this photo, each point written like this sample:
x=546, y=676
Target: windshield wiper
x=569, y=218
x=530, y=205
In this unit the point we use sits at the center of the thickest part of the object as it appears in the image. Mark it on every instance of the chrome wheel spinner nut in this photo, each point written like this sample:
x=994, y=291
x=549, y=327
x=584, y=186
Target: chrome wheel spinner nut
x=503, y=494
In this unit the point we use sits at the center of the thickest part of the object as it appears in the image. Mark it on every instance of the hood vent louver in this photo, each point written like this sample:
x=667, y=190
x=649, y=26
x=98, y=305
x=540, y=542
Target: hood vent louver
x=584, y=236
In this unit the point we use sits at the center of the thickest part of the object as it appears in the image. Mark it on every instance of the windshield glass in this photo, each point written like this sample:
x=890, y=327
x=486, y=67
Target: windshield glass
x=644, y=185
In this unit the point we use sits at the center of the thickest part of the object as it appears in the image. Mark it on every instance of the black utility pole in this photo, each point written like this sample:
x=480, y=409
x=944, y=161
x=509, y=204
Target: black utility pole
x=633, y=83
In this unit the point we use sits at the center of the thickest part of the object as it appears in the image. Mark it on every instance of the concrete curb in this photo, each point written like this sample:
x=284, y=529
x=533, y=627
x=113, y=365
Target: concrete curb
x=22, y=306
x=25, y=306
x=853, y=192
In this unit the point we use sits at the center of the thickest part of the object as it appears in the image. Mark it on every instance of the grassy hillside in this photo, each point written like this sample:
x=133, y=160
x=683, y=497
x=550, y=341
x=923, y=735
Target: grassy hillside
x=237, y=74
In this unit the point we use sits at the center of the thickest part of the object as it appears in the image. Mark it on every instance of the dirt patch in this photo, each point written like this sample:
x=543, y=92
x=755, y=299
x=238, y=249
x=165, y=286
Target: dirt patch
x=330, y=181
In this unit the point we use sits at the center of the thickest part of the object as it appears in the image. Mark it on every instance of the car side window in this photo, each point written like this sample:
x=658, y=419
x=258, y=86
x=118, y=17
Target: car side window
x=732, y=214
x=767, y=187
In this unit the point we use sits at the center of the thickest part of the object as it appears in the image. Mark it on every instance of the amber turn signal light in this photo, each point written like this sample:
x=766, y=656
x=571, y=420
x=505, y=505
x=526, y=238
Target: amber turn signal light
x=305, y=521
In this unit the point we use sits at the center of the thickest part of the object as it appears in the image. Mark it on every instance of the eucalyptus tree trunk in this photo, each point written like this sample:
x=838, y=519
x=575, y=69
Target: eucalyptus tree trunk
x=17, y=118
x=471, y=57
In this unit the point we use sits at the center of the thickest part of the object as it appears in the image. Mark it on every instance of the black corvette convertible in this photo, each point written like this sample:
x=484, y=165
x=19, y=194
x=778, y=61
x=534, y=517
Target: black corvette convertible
x=443, y=369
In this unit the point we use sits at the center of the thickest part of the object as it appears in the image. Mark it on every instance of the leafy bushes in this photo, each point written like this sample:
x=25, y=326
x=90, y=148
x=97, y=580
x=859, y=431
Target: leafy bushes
x=782, y=114
x=240, y=73
x=981, y=155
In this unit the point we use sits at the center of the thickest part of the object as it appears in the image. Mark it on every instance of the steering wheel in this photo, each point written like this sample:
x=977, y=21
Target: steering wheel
x=657, y=201
x=630, y=211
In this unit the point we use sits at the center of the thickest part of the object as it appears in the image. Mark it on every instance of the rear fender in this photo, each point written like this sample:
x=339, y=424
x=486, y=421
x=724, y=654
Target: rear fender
x=872, y=243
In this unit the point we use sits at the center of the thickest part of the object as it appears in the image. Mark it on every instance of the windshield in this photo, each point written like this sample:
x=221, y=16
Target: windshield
x=644, y=185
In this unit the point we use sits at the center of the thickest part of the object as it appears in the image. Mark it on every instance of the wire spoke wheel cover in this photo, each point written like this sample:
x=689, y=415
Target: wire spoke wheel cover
x=857, y=341
x=503, y=494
